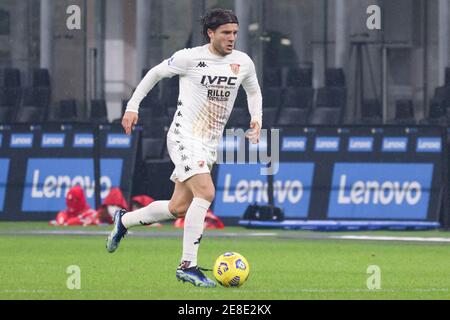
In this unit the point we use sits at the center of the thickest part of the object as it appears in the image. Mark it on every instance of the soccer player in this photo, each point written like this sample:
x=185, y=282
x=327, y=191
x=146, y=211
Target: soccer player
x=209, y=78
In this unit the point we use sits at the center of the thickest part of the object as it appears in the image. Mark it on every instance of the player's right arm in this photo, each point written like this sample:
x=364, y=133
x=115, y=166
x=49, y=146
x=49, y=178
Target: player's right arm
x=176, y=65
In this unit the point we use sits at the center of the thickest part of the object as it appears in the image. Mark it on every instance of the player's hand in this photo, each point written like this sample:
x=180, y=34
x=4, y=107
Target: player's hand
x=129, y=120
x=254, y=133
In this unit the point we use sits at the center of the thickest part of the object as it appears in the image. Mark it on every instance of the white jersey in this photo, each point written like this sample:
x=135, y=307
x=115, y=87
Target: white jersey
x=209, y=85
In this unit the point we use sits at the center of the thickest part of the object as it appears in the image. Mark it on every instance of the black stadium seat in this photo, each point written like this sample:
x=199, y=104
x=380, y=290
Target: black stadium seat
x=332, y=97
x=36, y=96
x=299, y=77
x=6, y=114
x=292, y=116
x=298, y=98
x=11, y=78
x=30, y=115
x=239, y=118
x=371, y=112
x=272, y=97
x=68, y=110
x=41, y=78
x=404, y=112
x=99, y=112
x=10, y=96
x=334, y=77
x=152, y=148
x=269, y=117
x=272, y=77
x=241, y=99
x=325, y=116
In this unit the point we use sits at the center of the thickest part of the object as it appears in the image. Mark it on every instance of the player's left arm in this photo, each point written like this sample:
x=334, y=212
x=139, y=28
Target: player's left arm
x=254, y=100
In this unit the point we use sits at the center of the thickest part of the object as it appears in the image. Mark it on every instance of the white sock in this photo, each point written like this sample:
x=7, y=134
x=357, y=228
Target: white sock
x=155, y=212
x=193, y=230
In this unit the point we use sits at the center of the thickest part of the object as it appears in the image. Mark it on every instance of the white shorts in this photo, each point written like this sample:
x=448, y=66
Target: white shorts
x=190, y=157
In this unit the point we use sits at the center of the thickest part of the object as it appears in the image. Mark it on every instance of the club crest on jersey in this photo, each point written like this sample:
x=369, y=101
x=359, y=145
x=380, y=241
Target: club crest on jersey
x=235, y=68
x=201, y=164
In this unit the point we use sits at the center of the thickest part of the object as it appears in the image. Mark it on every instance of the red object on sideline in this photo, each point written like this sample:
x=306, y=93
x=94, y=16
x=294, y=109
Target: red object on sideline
x=143, y=200
x=114, y=198
x=78, y=212
x=211, y=221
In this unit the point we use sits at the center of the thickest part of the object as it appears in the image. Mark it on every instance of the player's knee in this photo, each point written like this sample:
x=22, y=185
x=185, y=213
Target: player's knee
x=207, y=194
x=178, y=209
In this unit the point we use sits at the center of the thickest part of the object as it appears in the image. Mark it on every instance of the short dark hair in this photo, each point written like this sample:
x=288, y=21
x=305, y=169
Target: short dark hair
x=214, y=18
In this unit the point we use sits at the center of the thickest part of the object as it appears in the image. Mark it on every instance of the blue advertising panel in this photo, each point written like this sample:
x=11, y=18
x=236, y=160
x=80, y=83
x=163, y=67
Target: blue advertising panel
x=21, y=140
x=48, y=181
x=239, y=185
x=53, y=140
x=380, y=191
x=117, y=140
x=4, y=169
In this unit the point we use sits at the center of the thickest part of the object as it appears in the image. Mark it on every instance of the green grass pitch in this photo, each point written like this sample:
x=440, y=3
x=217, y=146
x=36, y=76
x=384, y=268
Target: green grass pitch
x=283, y=266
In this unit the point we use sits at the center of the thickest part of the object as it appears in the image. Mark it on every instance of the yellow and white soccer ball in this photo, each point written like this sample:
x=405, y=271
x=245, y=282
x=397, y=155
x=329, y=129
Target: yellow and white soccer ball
x=231, y=269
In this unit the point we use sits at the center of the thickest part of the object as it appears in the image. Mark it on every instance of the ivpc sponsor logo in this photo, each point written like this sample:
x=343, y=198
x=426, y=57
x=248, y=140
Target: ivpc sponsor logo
x=20, y=140
x=380, y=191
x=83, y=140
x=53, y=140
x=118, y=141
x=4, y=169
x=241, y=185
x=429, y=145
x=48, y=181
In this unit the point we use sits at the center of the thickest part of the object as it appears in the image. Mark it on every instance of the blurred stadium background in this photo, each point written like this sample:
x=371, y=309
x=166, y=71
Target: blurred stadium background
x=319, y=67
x=364, y=124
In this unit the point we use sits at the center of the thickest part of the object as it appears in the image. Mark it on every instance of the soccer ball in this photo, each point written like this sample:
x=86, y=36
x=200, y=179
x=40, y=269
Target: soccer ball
x=231, y=269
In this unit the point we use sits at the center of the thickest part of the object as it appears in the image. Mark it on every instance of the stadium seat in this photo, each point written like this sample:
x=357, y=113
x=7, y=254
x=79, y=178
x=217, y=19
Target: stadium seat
x=152, y=100
x=371, y=112
x=299, y=77
x=334, y=77
x=144, y=72
x=438, y=114
x=447, y=76
x=99, y=112
x=171, y=112
x=442, y=95
x=170, y=97
x=124, y=105
x=332, y=97
x=41, y=78
x=272, y=97
x=11, y=78
x=292, y=116
x=272, y=77
x=152, y=148
x=239, y=118
x=30, y=115
x=298, y=98
x=68, y=110
x=36, y=96
x=10, y=96
x=154, y=127
x=325, y=116
x=6, y=114
x=269, y=117
x=404, y=112
x=241, y=99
